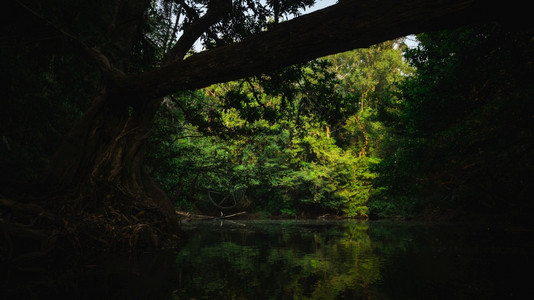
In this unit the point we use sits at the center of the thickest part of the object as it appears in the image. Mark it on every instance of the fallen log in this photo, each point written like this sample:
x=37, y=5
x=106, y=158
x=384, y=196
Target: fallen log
x=232, y=215
x=194, y=216
x=205, y=217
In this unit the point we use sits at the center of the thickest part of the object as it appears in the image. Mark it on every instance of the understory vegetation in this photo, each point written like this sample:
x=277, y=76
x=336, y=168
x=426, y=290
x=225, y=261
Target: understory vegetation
x=438, y=130
x=302, y=140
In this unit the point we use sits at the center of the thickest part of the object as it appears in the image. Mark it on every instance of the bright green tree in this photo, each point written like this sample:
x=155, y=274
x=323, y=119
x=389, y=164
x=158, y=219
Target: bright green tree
x=298, y=140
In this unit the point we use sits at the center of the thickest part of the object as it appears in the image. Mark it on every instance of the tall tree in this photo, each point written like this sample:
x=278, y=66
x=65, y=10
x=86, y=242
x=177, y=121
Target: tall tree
x=370, y=77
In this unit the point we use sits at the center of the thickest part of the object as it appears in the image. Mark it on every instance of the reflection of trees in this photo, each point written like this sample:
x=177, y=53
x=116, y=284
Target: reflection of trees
x=294, y=262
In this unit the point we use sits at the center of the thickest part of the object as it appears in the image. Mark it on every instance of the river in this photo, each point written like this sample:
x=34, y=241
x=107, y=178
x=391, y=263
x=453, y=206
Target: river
x=312, y=259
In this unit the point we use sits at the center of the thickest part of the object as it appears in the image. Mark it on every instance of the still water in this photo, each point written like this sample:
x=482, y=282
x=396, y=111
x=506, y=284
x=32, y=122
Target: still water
x=314, y=260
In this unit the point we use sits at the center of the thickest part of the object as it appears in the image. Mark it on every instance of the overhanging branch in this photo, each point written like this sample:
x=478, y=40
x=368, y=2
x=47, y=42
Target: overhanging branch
x=344, y=26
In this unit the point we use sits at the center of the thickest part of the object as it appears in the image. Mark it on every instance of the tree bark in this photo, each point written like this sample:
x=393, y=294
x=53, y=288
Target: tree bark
x=341, y=27
x=102, y=156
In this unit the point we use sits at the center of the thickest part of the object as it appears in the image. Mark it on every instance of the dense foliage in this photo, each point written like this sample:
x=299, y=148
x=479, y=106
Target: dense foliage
x=299, y=141
x=357, y=133
x=463, y=139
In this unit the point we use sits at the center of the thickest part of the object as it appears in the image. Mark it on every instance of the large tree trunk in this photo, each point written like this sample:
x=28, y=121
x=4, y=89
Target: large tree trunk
x=102, y=159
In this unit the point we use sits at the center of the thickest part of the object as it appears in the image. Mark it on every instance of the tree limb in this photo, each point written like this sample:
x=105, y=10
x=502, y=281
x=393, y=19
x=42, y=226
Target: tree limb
x=341, y=27
x=216, y=10
x=219, y=205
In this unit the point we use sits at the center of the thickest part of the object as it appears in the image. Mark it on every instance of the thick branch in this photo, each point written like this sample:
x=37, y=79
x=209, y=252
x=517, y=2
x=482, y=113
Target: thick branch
x=216, y=11
x=345, y=26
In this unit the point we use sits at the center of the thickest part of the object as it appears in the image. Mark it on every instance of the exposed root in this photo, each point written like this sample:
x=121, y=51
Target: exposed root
x=29, y=231
x=125, y=225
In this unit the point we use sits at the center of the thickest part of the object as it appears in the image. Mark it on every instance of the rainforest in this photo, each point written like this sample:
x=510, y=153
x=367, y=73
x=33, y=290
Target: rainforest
x=122, y=121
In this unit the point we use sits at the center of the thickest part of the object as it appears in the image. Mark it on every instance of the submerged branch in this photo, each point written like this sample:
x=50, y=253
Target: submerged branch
x=191, y=216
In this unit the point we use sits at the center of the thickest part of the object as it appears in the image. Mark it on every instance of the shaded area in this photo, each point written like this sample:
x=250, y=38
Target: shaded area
x=354, y=260
x=108, y=276
x=462, y=135
x=308, y=259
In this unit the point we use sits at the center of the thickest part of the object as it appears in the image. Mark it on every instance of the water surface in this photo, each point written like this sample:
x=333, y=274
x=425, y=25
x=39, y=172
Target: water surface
x=303, y=260
x=353, y=260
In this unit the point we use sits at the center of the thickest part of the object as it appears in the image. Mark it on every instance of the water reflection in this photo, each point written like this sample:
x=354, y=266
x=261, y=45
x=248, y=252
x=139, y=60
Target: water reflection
x=299, y=260
x=279, y=260
x=352, y=260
